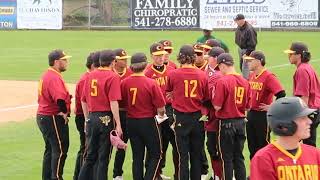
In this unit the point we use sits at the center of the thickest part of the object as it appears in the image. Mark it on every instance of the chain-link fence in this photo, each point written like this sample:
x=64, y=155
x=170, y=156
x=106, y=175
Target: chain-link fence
x=96, y=13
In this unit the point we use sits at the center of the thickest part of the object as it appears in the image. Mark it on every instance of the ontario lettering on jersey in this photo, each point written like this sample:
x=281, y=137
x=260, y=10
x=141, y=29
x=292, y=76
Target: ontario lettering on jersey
x=162, y=81
x=256, y=85
x=298, y=172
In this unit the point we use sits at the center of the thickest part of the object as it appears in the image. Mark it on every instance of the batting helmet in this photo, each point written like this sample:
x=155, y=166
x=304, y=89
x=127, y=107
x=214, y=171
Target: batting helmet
x=283, y=112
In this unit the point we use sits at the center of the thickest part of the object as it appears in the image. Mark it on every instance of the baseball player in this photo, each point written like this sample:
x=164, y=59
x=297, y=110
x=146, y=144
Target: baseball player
x=188, y=87
x=264, y=85
x=210, y=43
x=99, y=100
x=211, y=126
x=122, y=69
x=287, y=158
x=52, y=115
x=231, y=98
x=200, y=61
x=143, y=99
x=306, y=84
x=159, y=72
x=168, y=47
x=79, y=118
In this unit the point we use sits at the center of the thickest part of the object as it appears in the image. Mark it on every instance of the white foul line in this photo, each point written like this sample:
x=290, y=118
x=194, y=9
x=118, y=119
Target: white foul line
x=17, y=107
x=288, y=64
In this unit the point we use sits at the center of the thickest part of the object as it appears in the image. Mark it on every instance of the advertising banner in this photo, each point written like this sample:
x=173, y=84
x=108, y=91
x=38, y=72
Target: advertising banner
x=260, y=13
x=39, y=14
x=8, y=14
x=164, y=14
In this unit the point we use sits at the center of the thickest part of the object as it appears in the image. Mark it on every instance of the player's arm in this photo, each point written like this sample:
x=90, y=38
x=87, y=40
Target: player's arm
x=302, y=88
x=218, y=95
x=115, y=96
x=262, y=168
x=159, y=100
x=85, y=110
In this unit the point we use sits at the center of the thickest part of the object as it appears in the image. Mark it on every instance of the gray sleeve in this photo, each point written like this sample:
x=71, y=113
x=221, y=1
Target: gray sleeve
x=245, y=70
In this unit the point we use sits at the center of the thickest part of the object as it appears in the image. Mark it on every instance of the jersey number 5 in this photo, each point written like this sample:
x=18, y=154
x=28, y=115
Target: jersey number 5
x=193, y=86
x=94, y=87
x=238, y=94
x=134, y=95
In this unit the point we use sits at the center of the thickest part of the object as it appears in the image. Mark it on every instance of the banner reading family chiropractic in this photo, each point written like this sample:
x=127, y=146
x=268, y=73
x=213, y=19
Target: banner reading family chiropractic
x=39, y=14
x=165, y=14
x=260, y=13
x=8, y=14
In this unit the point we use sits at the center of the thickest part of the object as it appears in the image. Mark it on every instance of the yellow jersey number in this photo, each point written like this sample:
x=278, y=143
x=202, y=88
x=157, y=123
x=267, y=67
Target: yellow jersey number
x=193, y=86
x=94, y=87
x=134, y=95
x=40, y=87
x=238, y=94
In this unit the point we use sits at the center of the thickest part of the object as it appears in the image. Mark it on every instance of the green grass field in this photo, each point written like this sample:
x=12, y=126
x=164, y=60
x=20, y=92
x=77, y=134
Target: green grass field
x=23, y=56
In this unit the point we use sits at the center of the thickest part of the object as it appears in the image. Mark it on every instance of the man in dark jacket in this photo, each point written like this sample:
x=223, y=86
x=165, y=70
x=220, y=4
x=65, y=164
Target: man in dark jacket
x=246, y=39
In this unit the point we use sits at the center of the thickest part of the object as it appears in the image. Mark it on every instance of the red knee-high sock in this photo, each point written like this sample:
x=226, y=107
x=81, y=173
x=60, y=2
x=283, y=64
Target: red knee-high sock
x=217, y=168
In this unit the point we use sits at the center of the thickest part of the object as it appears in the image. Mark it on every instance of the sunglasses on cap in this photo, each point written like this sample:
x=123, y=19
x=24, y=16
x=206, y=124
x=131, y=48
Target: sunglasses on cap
x=199, y=53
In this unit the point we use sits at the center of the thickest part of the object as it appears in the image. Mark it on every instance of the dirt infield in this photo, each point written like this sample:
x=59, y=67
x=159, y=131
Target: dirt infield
x=18, y=100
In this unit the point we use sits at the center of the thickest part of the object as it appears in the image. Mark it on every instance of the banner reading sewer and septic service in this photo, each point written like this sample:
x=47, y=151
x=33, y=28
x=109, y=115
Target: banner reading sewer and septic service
x=260, y=13
x=39, y=14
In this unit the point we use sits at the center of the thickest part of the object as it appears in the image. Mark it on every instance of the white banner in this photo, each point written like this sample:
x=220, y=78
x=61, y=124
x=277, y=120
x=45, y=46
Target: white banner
x=260, y=13
x=39, y=14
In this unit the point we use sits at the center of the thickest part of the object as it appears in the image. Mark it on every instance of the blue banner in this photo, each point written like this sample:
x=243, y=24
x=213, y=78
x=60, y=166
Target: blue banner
x=8, y=14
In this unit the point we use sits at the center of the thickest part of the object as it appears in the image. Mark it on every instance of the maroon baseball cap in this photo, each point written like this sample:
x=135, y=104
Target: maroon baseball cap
x=297, y=48
x=198, y=47
x=138, y=58
x=107, y=56
x=239, y=17
x=216, y=51
x=225, y=58
x=157, y=49
x=57, y=55
x=210, y=43
x=255, y=55
x=166, y=43
x=121, y=54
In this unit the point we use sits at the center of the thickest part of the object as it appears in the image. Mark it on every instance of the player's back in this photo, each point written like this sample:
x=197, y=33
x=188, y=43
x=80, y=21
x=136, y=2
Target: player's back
x=190, y=88
x=141, y=96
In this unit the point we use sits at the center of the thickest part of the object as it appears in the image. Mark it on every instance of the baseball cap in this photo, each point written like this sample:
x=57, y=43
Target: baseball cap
x=287, y=109
x=255, y=55
x=187, y=50
x=57, y=55
x=211, y=43
x=216, y=51
x=138, y=58
x=198, y=47
x=157, y=49
x=107, y=56
x=121, y=54
x=166, y=44
x=239, y=17
x=297, y=48
x=225, y=58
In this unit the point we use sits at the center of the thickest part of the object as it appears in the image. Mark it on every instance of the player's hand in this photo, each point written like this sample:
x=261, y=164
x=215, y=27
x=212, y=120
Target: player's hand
x=204, y=118
x=119, y=130
x=264, y=107
x=65, y=117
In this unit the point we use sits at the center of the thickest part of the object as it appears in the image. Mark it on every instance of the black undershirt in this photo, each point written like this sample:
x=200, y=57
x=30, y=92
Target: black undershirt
x=159, y=68
x=293, y=151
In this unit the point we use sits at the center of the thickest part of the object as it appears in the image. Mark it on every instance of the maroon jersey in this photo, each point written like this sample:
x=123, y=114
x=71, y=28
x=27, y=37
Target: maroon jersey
x=306, y=83
x=101, y=87
x=141, y=96
x=263, y=87
x=160, y=77
x=172, y=64
x=214, y=74
x=127, y=72
x=275, y=163
x=232, y=94
x=51, y=88
x=78, y=93
x=189, y=87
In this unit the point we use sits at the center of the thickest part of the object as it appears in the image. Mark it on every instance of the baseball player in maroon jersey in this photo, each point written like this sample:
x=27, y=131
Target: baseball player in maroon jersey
x=306, y=84
x=52, y=116
x=79, y=118
x=124, y=71
x=211, y=126
x=168, y=47
x=231, y=98
x=159, y=72
x=287, y=158
x=200, y=61
x=264, y=86
x=188, y=86
x=143, y=99
x=99, y=100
